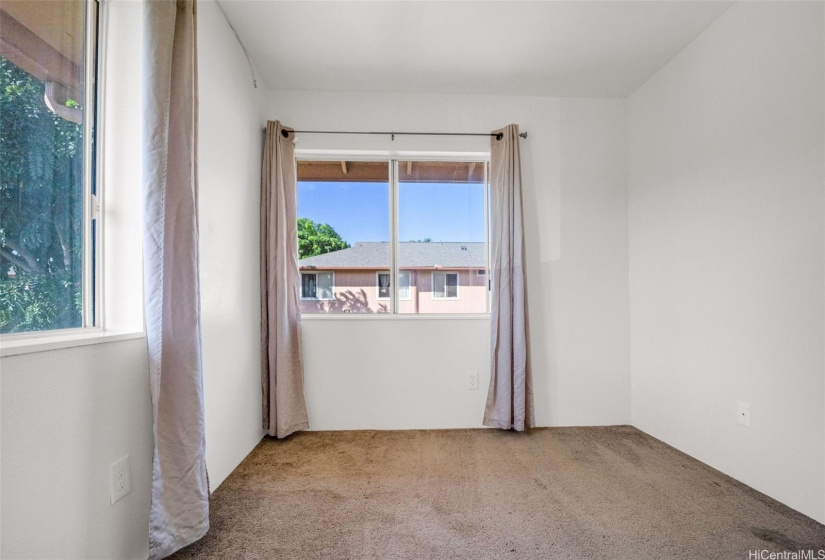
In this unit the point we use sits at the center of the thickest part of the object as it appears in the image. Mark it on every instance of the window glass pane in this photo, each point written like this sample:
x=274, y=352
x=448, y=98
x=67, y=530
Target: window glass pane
x=384, y=285
x=308, y=286
x=404, y=285
x=438, y=285
x=344, y=233
x=326, y=284
x=442, y=222
x=42, y=96
x=452, y=285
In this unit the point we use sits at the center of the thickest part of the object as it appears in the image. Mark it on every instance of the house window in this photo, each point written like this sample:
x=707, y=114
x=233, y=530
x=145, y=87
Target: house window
x=447, y=238
x=48, y=233
x=481, y=272
x=317, y=285
x=400, y=235
x=383, y=285
x=445, y=285
x=344, y=226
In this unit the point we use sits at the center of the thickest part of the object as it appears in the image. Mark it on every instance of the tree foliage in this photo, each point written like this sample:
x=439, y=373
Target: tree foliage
x=317, y=239
x=41, y=198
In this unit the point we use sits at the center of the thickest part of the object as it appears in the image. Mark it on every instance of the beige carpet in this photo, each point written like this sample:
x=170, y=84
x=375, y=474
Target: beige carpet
x=553, y=493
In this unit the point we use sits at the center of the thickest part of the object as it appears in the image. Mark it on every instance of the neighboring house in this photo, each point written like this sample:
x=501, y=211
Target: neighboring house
x=434, y=277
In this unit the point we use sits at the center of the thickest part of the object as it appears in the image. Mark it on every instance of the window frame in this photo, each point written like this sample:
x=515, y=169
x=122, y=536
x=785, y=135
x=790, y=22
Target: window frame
x=378, y=295
x=316, y=273
x=389, y=273
x=446, y=273
x=92, y=317
x=393, y=158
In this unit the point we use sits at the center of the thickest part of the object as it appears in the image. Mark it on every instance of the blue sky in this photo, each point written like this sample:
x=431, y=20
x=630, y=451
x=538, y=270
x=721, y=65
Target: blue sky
x=360, y=211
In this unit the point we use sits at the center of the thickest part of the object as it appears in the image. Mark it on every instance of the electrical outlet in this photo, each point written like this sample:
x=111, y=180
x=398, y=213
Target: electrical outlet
x=120, y=479
x=472, y=380
x=743, y=413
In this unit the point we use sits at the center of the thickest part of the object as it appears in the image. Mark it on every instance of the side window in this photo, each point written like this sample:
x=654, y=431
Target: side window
x=47, y=107
x=384, y=288
x=445, y=285
x=383, y=285
x=309, y=285
x=317, y=285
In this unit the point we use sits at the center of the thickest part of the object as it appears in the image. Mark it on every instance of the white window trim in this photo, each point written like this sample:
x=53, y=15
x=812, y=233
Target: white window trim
x=457, y=285
x=316, y=272
x=377, y=285
x=57, y=340
x=93, y=152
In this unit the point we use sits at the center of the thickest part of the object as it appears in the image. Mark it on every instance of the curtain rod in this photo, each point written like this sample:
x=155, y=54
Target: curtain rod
x=392, y=135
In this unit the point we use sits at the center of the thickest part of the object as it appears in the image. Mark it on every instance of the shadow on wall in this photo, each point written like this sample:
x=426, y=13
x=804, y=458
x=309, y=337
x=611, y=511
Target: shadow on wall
x=347, y=302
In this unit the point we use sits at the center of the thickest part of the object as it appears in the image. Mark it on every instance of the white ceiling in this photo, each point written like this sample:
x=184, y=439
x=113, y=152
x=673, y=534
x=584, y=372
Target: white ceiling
x=552, y=48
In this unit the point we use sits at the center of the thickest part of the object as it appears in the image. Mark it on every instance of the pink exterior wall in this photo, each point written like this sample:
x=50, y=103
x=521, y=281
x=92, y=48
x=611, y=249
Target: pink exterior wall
x=356, y=291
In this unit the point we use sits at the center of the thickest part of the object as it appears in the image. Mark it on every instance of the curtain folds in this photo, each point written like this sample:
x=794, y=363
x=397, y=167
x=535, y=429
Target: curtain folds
x=282, y=371
x=180, y=489
x=510, y=398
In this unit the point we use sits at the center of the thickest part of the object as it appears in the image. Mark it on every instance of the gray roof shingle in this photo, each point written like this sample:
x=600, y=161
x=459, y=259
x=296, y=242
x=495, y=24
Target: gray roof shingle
x=376, y=255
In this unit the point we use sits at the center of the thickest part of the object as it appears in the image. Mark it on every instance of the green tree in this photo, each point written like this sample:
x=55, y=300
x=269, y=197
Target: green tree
x=41, y=200
x=317, y=239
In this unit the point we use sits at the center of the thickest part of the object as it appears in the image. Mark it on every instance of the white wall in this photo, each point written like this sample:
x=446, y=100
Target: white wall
x=726, y=200
x=230, y=147
x=576, y=221
x=68, y=414
x=588, y=316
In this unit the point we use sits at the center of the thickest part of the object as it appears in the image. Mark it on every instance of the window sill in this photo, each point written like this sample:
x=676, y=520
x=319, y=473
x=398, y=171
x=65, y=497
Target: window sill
x=33, y=344
x=395, y=317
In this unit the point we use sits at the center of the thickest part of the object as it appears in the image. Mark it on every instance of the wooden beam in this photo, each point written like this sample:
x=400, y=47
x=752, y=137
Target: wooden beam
x=356, y=171
x=23, y=48
x=378, y=171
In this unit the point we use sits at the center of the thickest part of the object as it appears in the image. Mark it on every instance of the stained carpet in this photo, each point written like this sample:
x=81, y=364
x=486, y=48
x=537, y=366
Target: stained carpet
x=606, y=492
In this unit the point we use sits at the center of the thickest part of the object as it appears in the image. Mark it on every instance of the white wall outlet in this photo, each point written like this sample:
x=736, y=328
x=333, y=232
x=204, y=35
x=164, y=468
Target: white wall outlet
x=120, y=479
x=743, y=413
x=472, y=380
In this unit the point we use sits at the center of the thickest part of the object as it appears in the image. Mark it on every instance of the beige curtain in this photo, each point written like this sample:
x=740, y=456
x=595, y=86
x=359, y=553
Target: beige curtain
x=282, y=370
x=180, y=490
x=510, y=398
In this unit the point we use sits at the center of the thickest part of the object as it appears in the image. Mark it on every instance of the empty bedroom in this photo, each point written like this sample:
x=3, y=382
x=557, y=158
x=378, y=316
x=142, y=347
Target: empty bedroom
x=412, y=279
